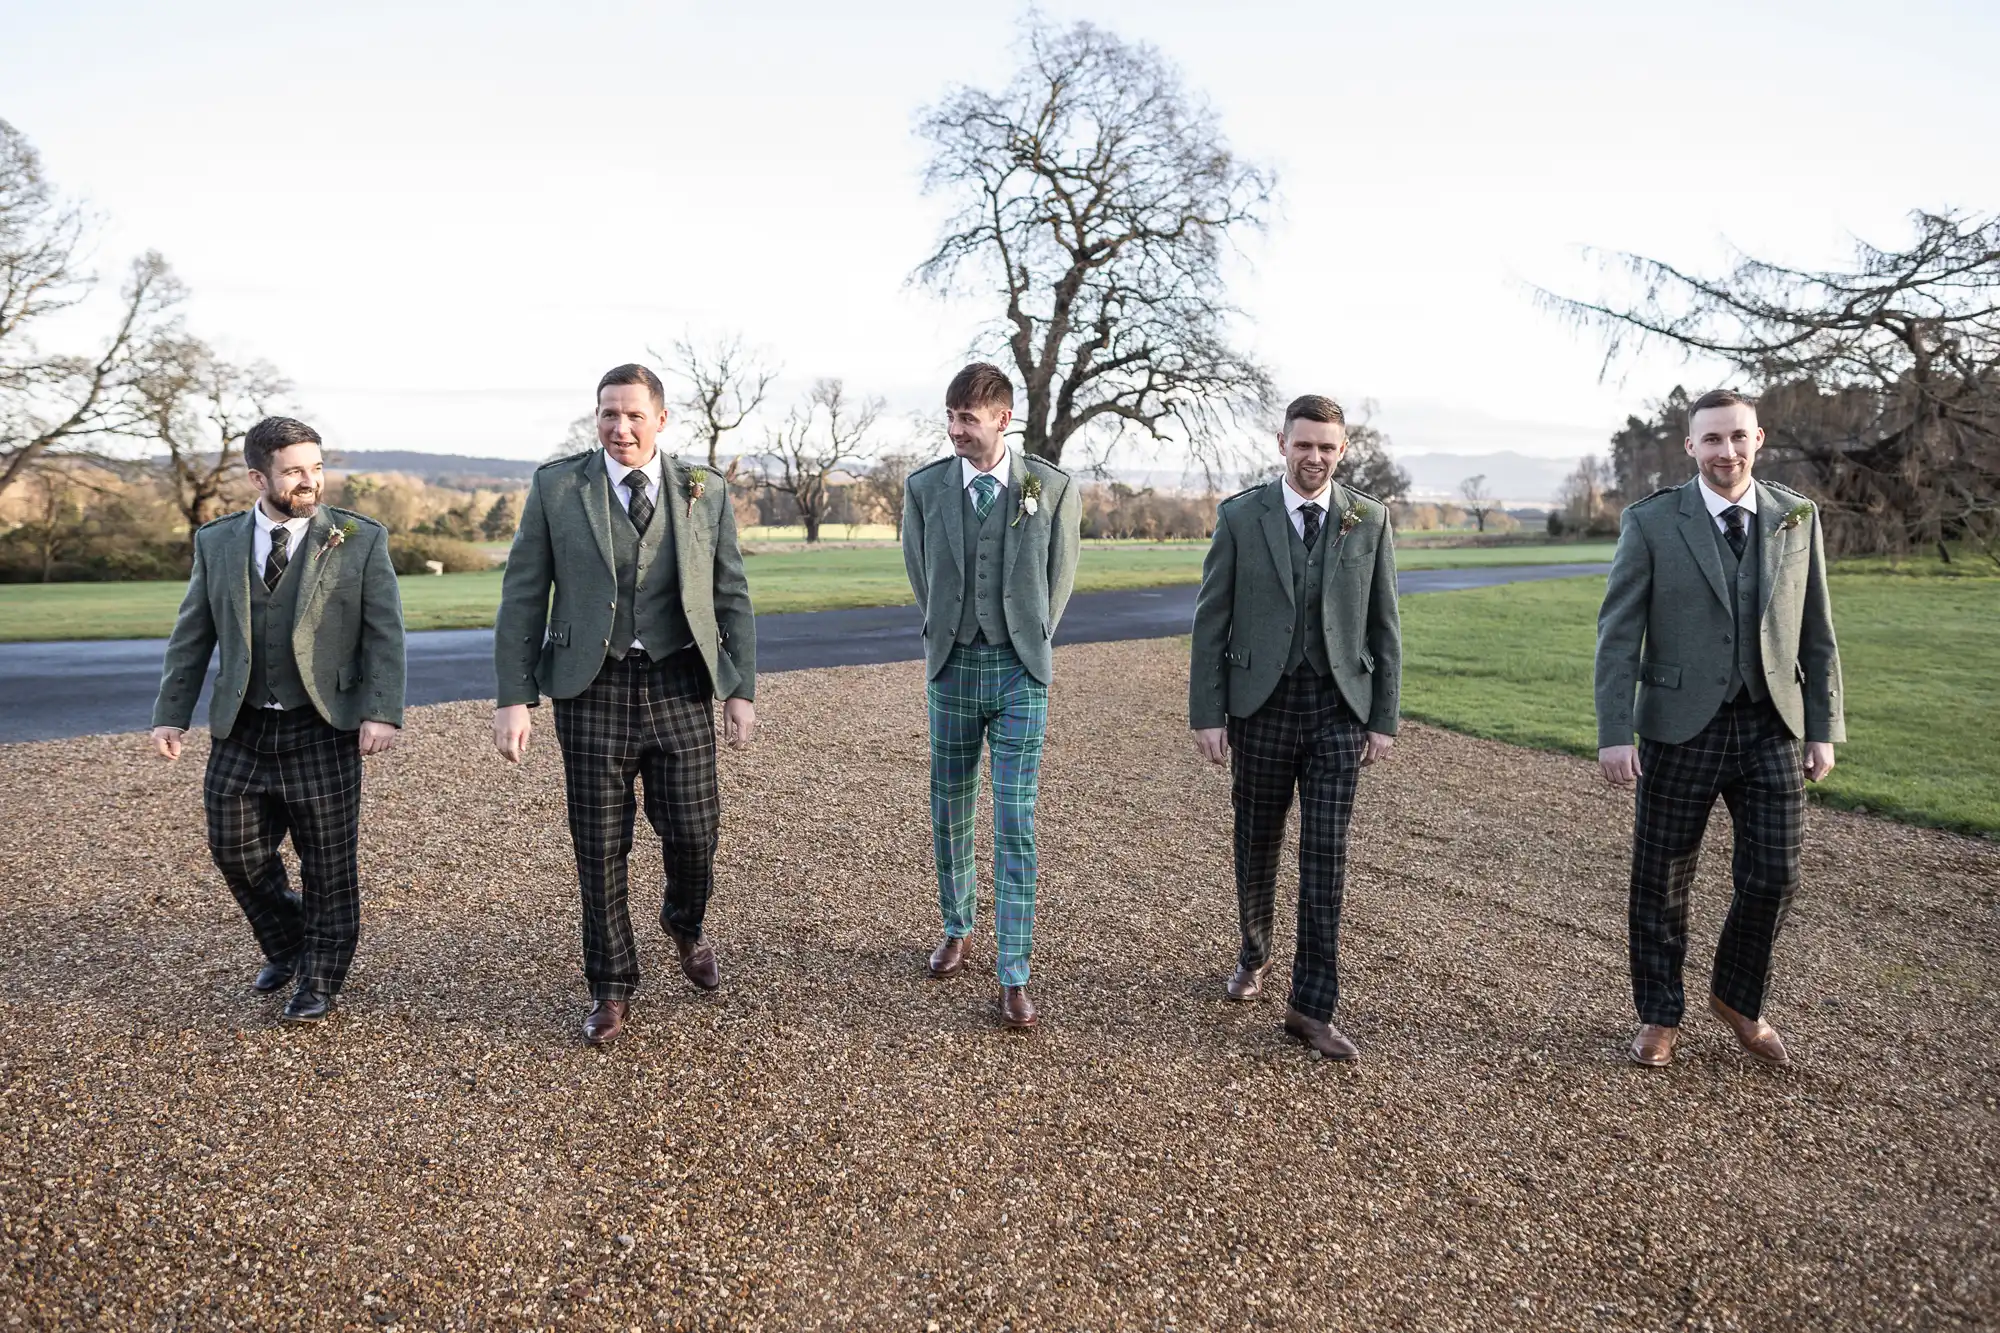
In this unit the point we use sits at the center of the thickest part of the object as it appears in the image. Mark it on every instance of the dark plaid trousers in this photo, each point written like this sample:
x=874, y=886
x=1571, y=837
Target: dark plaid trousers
x=289, y=771
x=1305, y=737
x=654, y=720
x=1746, y=756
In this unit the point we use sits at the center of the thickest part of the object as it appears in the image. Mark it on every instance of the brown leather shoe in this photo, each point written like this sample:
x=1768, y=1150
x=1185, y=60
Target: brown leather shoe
x=1653, y=1045
x=1247, y=983
x=1759, y=1039
x=1325, y=1038
x=948, y=957
x=1016, y=1009
x=698, y=962
x=604, y=1022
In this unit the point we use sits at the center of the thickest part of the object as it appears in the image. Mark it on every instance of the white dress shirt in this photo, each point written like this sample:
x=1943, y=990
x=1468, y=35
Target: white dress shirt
x=1294, y=501
x=1717, y=503
x=260, y=542
x=1000, y=472
x=623, y=493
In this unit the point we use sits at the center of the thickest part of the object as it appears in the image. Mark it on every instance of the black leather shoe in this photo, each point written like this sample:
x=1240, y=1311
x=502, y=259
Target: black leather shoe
x=275, y=973
x=308, y=1005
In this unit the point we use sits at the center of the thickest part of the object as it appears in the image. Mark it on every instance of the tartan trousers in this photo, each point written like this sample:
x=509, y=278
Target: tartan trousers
x=1305, y=737
x=984, y=694
x=1745, y=755
x=653, y=720
x=280, y=772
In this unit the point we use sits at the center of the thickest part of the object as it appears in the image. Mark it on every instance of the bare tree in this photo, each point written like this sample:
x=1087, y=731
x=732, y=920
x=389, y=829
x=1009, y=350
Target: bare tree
x=1095, y=196
x=825, y=433
x=579, y=436
x=1880, y=381
x=726, y=383
x=1367, y=464
x=199, y=406
x=1479, y=501
x=51, y=399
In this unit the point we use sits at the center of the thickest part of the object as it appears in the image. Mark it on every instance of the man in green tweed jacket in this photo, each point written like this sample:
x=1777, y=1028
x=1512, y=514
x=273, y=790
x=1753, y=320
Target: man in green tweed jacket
x=1294, y=680
x=1716, y=613
x=302, y=601
x=990, y=539
x=649, y=623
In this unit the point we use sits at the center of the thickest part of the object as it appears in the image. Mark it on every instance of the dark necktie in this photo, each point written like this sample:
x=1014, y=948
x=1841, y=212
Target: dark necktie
x=1733, y=529
x=274, y=563
x=1311, y=514
x=641, y=508
x=984, y=487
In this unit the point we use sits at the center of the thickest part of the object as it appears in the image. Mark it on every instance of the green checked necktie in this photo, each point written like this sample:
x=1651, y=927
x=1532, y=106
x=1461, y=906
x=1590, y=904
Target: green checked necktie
x=984, y=488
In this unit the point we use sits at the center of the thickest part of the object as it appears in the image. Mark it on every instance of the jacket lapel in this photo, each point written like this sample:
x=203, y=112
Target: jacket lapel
x=1011, y=540
x=1278, y=536
x=1770, y=546
x=1698, y=527
x=953, y=504
x=593, y=492
x=236, y=556
x=313, y=551
x=680, y=514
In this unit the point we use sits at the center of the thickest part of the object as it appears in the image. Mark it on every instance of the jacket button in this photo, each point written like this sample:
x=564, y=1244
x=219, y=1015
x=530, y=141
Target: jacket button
x=1727, y=639
x=1722, y=680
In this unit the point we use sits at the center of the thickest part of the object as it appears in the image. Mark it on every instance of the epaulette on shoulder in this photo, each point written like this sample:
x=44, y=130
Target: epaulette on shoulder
x=566, y=458
x=357, y=517
x=938, y=462
x=1376, y=500
x=1056, y=468
x=1247, y=490
x=1783, y=489
x=1664, y=490
x=213, y=521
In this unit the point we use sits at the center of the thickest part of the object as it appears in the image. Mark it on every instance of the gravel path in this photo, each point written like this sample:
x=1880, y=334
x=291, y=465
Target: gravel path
x=836, y=1141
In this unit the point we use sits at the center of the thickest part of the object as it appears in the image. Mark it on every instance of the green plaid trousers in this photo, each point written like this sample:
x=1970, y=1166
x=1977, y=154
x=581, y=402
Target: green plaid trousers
x=985, y=694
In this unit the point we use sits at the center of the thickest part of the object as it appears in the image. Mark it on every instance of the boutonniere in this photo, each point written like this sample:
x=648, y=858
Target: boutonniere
x=336, y=537
x=1031, y=498
x=1350, y=517
x=697, y=486
x=1798, y=514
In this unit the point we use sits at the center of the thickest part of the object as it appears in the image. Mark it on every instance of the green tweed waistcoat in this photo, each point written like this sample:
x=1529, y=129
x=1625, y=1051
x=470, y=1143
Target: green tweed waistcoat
x=274, y=669
x=657, y=620
x=1746, y=671
x=984, y=538
x=1308, y=603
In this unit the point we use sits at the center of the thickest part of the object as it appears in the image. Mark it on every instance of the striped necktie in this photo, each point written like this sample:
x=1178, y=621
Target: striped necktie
x=274, y=563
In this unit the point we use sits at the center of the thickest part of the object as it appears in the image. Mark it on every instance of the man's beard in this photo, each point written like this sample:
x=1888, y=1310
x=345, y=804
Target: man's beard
x=291, y=506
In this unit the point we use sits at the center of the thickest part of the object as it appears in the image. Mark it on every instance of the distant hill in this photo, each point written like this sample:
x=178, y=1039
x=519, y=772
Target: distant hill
x=1516, y=478
x=436, y=468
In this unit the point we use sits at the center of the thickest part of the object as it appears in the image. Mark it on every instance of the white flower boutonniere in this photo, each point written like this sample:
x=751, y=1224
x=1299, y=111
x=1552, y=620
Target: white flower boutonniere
x=1031, y=498
x=697, y=487
x=1798, y=514
x=336, y=537
x=1350, y=517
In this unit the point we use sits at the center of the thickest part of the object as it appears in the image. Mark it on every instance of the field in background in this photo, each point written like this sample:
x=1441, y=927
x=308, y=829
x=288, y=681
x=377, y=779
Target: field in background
x=786, y=580
x=1515, y=663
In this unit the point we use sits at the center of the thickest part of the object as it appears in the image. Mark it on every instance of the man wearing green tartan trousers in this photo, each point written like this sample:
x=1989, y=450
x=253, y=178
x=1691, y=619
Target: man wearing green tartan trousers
x=990, y=540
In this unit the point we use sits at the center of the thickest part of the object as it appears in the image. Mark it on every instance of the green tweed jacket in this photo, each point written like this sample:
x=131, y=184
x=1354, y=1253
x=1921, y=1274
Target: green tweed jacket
x=1666, y=622
x=555, y=647
x=347, y=637
x=1244, y=614
x=1038, y=550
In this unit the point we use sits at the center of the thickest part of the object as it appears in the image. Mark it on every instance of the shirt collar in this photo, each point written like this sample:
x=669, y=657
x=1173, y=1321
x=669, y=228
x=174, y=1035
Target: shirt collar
x=1001, y=470
x=651, y=471
x=1294, y=501
x=1716, y=503
x=265, y=522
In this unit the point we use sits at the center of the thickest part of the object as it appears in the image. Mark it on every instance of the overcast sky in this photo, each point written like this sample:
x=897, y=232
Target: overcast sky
x=444, y=221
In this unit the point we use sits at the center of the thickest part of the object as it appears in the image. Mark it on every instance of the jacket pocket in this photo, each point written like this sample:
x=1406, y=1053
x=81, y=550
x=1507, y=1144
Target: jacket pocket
x=558, y=633
x=1237, y=657
x=347, y=678
x=1663, y=674
x=1368, y=662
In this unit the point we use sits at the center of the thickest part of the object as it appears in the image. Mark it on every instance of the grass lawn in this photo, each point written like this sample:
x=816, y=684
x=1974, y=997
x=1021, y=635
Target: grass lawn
x=1923, y=707
x=791, y=580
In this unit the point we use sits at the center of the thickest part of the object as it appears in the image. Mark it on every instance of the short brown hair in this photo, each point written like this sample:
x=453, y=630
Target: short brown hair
x=1315, y=407
x=634, y=373
x=1718, y=398
x=270, y=435
x=980, y=384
